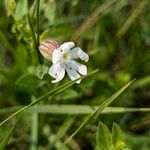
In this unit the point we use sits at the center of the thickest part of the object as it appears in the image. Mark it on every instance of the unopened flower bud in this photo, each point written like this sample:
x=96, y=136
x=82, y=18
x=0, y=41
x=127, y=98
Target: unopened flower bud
x=47, y=47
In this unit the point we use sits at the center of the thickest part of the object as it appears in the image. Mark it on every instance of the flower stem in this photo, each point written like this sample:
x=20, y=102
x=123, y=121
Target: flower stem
x=38, y=20
x=32, y=31
x=38, y=29
x=34, y=38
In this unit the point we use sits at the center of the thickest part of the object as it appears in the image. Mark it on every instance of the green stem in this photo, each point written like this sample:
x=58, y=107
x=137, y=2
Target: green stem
x=35, y=43
x=38, y=29
x=32, y=32
x=38, y=20
x=34, y=131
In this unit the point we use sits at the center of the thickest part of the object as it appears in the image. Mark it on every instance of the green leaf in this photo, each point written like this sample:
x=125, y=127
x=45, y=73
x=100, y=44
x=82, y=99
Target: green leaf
x=99, y=110
x=9, y=134
x=103, y=138
x=73, y=109
x=118, y=137
x=50, y=11
x=21, y=10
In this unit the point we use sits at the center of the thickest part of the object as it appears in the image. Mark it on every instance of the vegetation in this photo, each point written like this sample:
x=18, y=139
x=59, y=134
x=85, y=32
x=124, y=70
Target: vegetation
x=109, y=109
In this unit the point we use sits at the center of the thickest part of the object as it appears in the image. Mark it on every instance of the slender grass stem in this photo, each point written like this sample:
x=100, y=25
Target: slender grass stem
x=35, y=39
x=34, y=130
x=38, y=29
x=38, y=20
x=32, y=31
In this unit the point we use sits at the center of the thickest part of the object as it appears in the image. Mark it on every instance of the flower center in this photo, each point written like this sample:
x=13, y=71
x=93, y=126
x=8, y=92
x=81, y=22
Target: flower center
x=66, y=56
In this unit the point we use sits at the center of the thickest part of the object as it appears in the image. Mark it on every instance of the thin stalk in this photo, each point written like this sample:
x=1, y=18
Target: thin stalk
x=38, y=29
x=38, y=20
x=95, y=113
x=32, y=31
x=34, y=130
x=35, y=44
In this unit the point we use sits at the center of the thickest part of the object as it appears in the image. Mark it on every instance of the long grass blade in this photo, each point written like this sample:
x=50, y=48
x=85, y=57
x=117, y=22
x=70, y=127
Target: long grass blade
x=62, y=130
x=51, y=93
x=9, y=134
x=92, y=19
x=132, y=18
x=73, y=109
x=99, y=110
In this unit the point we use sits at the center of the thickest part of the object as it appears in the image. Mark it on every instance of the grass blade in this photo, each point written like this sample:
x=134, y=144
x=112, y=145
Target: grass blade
x=62, y=130
x=10, y=133
x=92, y=19
x=131, y=18
x=34, y=130
x=73, y=109
x=51, y=93
x=99, y=109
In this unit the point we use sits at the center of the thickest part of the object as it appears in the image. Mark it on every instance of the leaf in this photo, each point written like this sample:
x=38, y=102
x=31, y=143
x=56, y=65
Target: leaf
x=21, y=10
x=103, y=138
x=9, y=134
x=50, y=11
x=118, y=137
x=98, y=110
x=74, y=109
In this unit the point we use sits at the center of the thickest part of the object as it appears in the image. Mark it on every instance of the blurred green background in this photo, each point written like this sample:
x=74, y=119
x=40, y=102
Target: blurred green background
x=116, y=35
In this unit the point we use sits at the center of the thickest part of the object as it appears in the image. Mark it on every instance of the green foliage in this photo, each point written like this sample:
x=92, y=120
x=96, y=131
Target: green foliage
x=116, y=36
x=21, y=10
x=110, y=141
x=103, y=138
x=5, y=141
x=10, y=6
x=95, y=113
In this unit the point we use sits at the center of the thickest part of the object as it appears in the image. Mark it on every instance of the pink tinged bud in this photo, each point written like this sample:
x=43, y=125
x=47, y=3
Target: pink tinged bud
x=47, y=47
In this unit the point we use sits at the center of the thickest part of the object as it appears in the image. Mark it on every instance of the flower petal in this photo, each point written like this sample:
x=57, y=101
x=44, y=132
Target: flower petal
x=56, y=55
x=67, y=46
x=59, y=72
x=53, y=70
x=73, y=74
x=79, y=53
x=82, y=69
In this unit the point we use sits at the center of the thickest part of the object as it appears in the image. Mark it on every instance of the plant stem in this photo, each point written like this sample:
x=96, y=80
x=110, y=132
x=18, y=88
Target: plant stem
x=34, y=130
x=38, y=29
x=35, y=41
x=38, y=20
x=32, y=31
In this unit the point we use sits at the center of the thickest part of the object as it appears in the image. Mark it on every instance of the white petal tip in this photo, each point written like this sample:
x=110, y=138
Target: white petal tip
x=86, y=60
x=78, y=81
x=54, y=81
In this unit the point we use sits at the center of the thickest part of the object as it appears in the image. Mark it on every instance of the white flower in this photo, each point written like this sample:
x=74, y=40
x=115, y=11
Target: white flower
x=63, y=59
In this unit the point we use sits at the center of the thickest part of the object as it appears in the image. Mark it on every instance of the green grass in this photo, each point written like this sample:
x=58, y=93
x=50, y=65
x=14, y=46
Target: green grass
x=116, y=35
